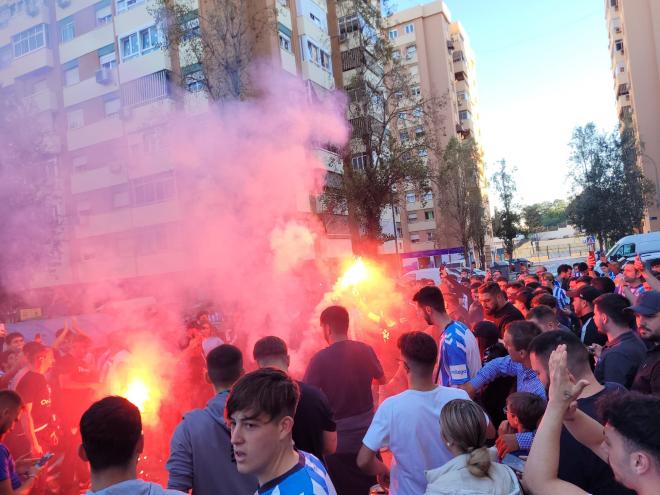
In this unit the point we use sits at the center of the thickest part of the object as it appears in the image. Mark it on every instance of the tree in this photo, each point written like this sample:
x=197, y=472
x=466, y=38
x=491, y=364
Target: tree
x=457, y=178
x=506, y=220
x=391, y=126
x=612, y=192
x=215, y=42
x=533, y=219
x=30, y=227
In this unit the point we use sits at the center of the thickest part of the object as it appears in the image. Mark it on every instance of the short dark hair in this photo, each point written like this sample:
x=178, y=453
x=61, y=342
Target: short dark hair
x=522, y=333
x=13, y=335
x=524, y=296
x=604, y=284
x=527, y=407
x=542, y=312
x=582, y=267
x=336, y=317
x=615, y=306
x=634, y=415
x=224, y=364
x=265, y=391
x=110, y=430
x=515, y=285
x=432, y=297
x=544, y=299
x=475, y=285
x=543, y=345
x=491, y=288
x=32, y=349
x=563, y=268
x=10, y=399
x=655, y=262
x=533, y=285
x=270, y=346
x=533, y=276
x=487, y=331
x=419, y=348
x=585, y=278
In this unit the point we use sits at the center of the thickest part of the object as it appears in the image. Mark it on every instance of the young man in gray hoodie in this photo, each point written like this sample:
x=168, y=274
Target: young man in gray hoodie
x=112, y=441
x=201, y=455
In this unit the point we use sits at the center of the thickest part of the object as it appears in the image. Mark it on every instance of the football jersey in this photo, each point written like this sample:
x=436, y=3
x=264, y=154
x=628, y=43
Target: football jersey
x=308, y=477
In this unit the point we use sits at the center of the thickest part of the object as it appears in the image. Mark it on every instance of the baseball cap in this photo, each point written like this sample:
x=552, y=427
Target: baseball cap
x=588, y=293
x=648, y=304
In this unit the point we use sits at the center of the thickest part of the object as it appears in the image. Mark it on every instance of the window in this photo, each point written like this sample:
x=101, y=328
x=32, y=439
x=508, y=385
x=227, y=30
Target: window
x=410, y=28
x=359, y=163
x=419, y=132
x=618, y=44
x=316, y=20
x=403, y=136
x=428, y=215
x=127, y=4
x=154, y=189
x=71, y=75
x=410, y=198
x=414, y=238
x=417, y=113
x=428, y=197
x=399, y=95
x=430, y=236
x=283, y=3
x=75, y=118
x=423, y=153
x=285, y=42
x=412, y=217
x=416, y=91
x=67, y=29
x=109, y=60
x=347, y=25
x=411, y=52
x=103, y=13
x=130, y=46
x=195, y=81
x=393, y=34
x=396, y=55
x=5, y=55
x=149, y=39
x=461, y=96
x=30, y=40
x=325, y=60
x=112, y=107
x=313, y=53
x=464, y=115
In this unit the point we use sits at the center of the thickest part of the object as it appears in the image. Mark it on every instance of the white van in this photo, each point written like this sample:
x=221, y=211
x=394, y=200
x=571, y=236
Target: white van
x=424, y=273
x=632, y=245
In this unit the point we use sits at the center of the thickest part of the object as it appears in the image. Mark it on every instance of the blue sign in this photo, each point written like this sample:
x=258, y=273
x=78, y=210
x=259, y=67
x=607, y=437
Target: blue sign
x=432, y=252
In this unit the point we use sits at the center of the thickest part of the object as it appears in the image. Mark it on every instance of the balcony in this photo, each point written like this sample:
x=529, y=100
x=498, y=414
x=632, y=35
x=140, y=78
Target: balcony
x=22, y=21
x=103, y=130
x=317, y=74
x=288, y=61
x=310, y=28
x=284, y=16
x=144, y=65
x=620, y=76
x=421, y=225
x=86, y=43
x=98, y=178
x=127, y=218
x=64, y=8
x=331, y=161
x=25, y=64
x=41, y=102
x=138, y=15
x=88, y=89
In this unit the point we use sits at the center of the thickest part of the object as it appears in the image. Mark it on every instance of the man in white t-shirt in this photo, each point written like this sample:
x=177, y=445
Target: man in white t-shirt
x=408, y=424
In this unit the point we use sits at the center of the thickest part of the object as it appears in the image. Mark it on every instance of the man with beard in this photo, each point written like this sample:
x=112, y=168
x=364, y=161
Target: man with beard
x=632, y=286
x=458, y=348
x=647, y=311
x=496, y=307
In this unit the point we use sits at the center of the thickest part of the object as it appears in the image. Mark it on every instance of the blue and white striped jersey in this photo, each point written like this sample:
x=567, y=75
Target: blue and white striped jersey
x=459, y=355
x=308, y=477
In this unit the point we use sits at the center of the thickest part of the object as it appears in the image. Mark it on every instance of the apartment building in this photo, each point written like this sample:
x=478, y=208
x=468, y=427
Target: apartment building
x=437, y=52
x=634, y=37
x=101, y=85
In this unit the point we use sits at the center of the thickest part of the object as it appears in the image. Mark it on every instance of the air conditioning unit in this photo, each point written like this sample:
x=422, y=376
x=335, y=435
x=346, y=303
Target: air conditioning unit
x=104, y=76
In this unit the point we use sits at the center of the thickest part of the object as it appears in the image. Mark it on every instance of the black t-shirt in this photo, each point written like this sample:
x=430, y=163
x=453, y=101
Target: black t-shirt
x=313, y=417
x=647, y=380
x=34, y=389
x=71, y=403
x=344, y=371
x=505, y=315
x=579, y=465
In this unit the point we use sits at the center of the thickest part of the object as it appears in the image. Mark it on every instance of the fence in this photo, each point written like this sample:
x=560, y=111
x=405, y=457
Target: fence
x=551, y=252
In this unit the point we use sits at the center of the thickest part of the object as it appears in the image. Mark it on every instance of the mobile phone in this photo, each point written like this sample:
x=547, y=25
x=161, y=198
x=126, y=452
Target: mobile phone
x=514, y=463
x=46, y=457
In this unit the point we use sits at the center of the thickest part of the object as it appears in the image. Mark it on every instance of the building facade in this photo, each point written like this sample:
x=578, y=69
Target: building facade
x=634, y=36
x=100, y=84
x=439, y=57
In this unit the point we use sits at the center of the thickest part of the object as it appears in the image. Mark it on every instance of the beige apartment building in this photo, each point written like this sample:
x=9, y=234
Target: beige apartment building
x=99, y=82
x=634, y=36
x=437, y=52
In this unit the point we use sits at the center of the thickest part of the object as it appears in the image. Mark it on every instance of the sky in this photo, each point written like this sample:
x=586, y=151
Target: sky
x=543, y=68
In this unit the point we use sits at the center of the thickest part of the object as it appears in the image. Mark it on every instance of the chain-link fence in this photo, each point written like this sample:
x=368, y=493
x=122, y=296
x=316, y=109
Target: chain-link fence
x=548, y=252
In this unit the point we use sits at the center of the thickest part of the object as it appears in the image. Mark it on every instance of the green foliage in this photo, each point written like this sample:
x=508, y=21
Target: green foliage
x=506, y=221
x=613, y=192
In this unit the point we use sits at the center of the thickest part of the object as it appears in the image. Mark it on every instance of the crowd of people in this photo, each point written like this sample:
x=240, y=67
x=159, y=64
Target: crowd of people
x=536, y=383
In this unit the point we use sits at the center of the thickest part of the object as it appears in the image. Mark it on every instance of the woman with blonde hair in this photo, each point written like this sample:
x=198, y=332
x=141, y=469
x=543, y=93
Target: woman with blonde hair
x=472, y=471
